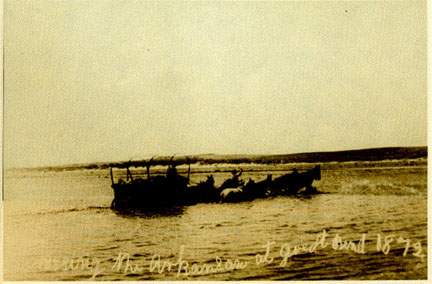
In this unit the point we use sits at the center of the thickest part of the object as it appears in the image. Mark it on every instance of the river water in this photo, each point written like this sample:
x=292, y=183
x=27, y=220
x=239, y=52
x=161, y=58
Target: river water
x=58, y=226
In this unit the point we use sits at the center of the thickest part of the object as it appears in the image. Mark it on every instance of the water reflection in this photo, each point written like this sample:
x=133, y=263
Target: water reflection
x=149, y=213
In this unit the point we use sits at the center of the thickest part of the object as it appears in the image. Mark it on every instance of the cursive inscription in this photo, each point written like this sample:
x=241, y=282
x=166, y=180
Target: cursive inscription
x=93, y=265
x=181, y=267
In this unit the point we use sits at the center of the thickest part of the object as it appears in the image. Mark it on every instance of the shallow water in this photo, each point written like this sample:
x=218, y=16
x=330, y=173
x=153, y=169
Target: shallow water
x=55, y=219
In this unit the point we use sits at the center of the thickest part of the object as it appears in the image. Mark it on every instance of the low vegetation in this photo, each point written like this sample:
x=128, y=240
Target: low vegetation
x=375, y=154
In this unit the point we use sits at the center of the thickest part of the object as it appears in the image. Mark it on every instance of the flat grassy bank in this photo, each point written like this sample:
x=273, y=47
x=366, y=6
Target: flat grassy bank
x=367, y=157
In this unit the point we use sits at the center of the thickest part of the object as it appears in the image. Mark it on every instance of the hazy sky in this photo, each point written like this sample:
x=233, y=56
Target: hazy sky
x=113, y=80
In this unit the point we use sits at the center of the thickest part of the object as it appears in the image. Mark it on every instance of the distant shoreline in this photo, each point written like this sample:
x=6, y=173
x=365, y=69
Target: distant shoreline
x=363, y=155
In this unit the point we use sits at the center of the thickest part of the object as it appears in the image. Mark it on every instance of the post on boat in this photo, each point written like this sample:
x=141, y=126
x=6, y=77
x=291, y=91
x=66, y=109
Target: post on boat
x=170, y=165
x=112, y=178
x=189, y=170
x=148, y=167
x=128, y=174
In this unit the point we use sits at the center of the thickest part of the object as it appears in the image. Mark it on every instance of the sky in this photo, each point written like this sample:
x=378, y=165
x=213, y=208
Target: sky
x=92, y=81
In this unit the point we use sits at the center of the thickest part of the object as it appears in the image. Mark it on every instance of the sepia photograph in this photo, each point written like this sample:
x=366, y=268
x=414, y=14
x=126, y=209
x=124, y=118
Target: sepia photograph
x=214, y=140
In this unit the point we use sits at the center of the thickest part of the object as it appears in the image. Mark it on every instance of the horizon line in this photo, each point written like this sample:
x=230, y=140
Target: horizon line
x=205, y=154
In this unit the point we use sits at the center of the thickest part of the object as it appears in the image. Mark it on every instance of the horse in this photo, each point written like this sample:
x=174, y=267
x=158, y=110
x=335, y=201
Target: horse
x=231, y=194
x=204, y=191
x=250, y=191
x=291, y=184
x=232, y=182
x=259, y=189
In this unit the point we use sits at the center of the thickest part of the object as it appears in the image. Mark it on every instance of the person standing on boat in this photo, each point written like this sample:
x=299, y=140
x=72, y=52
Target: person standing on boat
x=172, y=172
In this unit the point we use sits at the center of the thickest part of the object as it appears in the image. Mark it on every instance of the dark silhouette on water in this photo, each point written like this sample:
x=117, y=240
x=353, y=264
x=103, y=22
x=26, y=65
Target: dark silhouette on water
x=205, y=191
x=174, y=190
x=250, y=191
x=232, y=182
x=149, y=212
x=153, y=192
x=291, y=184
x=260, y=189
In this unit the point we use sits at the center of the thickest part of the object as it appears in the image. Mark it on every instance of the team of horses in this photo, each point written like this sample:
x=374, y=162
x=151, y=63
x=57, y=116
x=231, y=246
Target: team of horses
x=174, y=189
x=288, y=184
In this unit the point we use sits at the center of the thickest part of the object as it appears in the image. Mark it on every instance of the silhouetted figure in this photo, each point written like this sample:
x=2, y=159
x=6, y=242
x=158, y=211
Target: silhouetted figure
x=236, y=174
x=172, y=172
x=232, y=182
